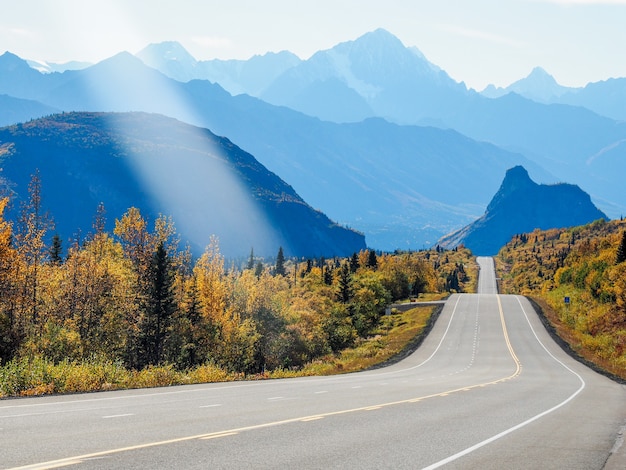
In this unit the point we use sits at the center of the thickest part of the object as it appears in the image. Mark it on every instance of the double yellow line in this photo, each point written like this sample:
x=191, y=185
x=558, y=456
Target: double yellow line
x=231, y=432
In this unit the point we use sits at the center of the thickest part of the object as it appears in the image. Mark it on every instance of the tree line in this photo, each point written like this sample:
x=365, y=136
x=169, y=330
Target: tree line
x=135, y=296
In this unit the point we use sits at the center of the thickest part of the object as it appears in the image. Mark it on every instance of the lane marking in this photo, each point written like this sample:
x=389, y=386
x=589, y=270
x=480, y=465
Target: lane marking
x=210, y=406
x=218, y=435
x=118, y=416
x=74, y=459
x=61, y=462
x=321, y=392
x=471, y=449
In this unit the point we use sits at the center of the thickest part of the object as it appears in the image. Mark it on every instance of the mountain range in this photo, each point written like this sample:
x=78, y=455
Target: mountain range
x=574, y=134
x=404, y=153
x=606, y=98
x=521, y=206
x=208, y=185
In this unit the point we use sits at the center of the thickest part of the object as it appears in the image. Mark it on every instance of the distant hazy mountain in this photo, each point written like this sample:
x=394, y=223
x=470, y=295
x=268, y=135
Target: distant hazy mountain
x=162, y=166
x=14, y=110
x=50, y=67
x=402, y=188
x=250, y=76
x=539, y=86
x=381, y=77
x=520, y=206
x=393, y=82
x=607, y=98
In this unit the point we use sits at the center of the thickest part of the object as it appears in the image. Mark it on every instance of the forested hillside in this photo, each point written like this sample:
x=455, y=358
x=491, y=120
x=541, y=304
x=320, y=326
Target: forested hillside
x=579, y=276
x=134, y=297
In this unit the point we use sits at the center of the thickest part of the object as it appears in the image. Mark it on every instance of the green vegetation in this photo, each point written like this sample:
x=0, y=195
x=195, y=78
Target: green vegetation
x=39, y=376
x=578, y=276
x=131, y=309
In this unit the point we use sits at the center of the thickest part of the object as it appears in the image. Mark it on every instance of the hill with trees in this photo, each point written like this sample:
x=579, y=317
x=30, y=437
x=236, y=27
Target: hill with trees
x=578, y=276
x=208, y=185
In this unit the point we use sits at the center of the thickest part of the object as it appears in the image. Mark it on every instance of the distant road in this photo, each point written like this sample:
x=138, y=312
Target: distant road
x=488, y=389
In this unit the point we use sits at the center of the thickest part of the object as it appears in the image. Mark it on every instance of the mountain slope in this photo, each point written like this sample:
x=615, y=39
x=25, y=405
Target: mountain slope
x=404, y=186
x=520, y=206
x=206, y=183
x=14, y=110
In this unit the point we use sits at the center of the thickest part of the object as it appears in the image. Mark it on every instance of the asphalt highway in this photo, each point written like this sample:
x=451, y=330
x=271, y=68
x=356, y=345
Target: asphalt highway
x=487, y=389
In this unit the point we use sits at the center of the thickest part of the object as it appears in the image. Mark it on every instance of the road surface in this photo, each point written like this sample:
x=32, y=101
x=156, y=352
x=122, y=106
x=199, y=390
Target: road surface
x=487, y=389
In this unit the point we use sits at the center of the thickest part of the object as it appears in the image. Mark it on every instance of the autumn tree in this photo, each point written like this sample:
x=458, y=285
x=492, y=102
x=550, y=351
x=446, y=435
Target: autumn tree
x=621, y=250
x=9, y=337
x=33, y=225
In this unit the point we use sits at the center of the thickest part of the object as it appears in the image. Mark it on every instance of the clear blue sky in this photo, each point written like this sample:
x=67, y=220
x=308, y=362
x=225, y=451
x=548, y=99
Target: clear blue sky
x=476, y=41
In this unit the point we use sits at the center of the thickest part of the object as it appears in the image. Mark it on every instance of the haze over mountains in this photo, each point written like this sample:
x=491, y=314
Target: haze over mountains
x=205, y=183
x=369, y=132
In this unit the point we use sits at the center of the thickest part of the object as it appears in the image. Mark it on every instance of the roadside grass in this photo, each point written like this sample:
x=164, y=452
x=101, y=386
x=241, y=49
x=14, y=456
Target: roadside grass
x=597, y=352
x=37, y=376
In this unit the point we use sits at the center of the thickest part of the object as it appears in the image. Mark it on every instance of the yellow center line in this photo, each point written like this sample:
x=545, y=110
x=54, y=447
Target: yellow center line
x=73, y=460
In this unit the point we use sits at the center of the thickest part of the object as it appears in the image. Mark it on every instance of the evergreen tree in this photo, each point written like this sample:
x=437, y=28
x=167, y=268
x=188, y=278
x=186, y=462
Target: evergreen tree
x=258, y=270
x=56, y=250
x=327, y=275
x=354, y=263
x=345, y=284
x=621, y=250
x=160, y=307
x=251, y=259
x=372, y=260
x=279, y=270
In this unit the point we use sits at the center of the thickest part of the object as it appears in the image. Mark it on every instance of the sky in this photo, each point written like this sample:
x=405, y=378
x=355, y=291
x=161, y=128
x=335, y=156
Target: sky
x=476, y=41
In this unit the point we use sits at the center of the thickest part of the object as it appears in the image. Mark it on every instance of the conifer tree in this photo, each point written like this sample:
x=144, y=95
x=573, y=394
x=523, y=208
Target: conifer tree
x=159, y=309
x=56, y=250
x=279, y=270
x=372, y=260
x=354, y=263
x=251, y=259
x=345, y=284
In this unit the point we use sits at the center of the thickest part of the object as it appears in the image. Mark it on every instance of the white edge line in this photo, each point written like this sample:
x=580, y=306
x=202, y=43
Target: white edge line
x=520, y=425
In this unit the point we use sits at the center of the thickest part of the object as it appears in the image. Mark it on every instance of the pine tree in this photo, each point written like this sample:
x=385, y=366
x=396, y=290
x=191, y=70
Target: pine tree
x=56, y=250
x=251, y=260
x=159, y=309
x=621, y=250
x=354, y=263
x=372, y=260
x=345, y=284
x=279, y=270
